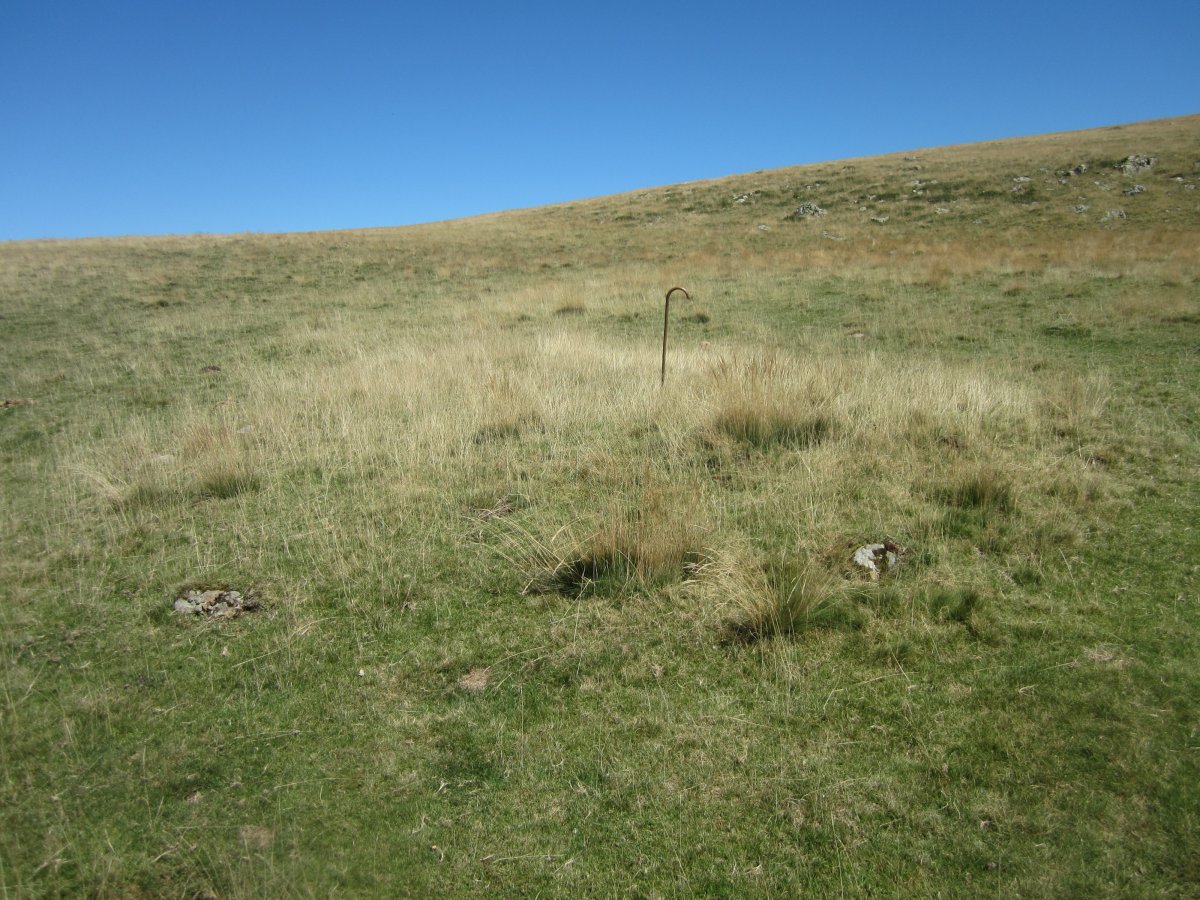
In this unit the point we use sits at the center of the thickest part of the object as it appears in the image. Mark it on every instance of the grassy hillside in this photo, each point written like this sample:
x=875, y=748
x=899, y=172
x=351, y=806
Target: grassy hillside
x=530, y=623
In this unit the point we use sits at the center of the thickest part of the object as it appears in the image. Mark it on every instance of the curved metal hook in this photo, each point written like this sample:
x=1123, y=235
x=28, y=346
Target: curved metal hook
x=666, y=321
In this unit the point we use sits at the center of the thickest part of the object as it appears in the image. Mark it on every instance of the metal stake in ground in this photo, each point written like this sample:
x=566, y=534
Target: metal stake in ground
x=666, y=321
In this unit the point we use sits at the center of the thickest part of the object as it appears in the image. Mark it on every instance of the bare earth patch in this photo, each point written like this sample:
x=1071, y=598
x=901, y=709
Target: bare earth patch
x=1107, y=655
x=256, y=837
x=475, y=680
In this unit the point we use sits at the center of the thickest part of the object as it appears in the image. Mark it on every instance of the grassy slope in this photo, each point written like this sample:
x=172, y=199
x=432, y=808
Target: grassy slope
x=712, y=700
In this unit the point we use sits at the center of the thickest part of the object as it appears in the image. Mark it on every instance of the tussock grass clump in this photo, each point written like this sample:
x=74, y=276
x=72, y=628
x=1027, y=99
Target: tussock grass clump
x=758, y=403
x=954, y=604
x=978, y=506
x=223, y=482
x=1076, y=404
x=786, y=595
x=791, y=595
x=986, y=489
x=764, y=428
x=144, y=494
x=504, y=427
x=209, y=460
x=509, y=410
x=657, y=540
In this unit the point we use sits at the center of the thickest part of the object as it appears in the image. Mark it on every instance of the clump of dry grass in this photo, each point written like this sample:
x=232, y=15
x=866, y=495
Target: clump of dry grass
x=509, y=409
x=985, y=488
x=758, y=402
x=765, y=425
x=786, y=595
x=653, y=540
x=1076, y=403
x=198, y=457
x=225, y=479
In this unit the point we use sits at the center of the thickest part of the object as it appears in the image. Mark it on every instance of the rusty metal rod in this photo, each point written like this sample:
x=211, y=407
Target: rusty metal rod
x=666, y=321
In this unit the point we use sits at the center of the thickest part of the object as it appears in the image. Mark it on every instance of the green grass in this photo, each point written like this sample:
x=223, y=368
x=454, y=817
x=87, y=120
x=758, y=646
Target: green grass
x=531, y=624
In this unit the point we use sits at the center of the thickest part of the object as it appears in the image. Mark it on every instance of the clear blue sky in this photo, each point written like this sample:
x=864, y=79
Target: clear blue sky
x=182, y=116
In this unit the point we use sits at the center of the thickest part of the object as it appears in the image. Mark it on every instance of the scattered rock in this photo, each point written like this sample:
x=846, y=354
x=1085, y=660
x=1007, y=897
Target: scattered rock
x=1133, y=191
x=1115, y=214
x=9, y=404
x=879, y=220
x=1189, y=187
x=1081, y=207
x=1136, y=163
x=1022, y=179
x=742, y=198
x=1177, y=178
x=1074, y=170
x=941, y=210
x=806, y=211
x=878, y=559
x=216, y=604
x=763, y=227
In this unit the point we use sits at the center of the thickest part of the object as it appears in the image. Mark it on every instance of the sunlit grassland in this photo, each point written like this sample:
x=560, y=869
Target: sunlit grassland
x=534, y=623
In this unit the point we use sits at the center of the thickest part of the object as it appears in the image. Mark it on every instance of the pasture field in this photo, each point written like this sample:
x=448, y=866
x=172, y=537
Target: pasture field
x=530, y=623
